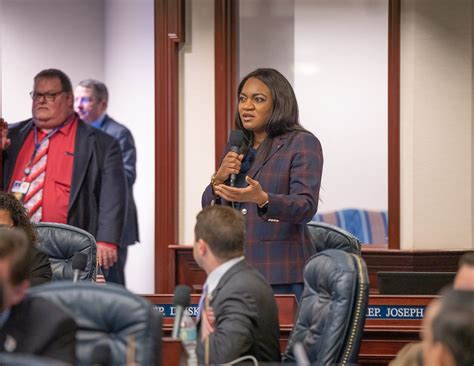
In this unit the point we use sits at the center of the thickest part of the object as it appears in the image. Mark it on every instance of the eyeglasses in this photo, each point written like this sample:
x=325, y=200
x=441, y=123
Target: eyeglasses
x=50, y=97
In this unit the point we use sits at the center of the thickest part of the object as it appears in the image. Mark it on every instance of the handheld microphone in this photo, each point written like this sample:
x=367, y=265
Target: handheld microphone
x=236, y=139
x=180, y=301
x=79, y=263
x=101, y=355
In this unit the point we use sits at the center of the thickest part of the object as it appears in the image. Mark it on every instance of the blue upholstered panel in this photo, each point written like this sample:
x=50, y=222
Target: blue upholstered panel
x=368, y=226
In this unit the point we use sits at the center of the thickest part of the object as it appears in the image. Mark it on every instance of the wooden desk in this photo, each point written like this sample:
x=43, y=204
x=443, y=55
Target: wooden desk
x=184, y=270
x=392, y=322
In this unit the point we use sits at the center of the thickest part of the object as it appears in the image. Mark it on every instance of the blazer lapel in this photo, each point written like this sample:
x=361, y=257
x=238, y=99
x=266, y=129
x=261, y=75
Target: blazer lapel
x=277, y=143
x=15, y=150
x=83, y=146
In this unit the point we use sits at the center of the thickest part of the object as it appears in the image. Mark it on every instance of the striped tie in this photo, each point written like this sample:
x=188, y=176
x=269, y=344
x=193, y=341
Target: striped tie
x=33, y=200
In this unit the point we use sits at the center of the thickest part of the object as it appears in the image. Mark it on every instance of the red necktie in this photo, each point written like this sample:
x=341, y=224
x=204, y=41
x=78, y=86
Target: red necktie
x=33, y=200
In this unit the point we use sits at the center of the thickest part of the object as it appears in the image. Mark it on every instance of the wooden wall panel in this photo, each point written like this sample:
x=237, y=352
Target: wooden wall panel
x=226, y=70
x=169, y=32
x=188, y=273
x=394, y=124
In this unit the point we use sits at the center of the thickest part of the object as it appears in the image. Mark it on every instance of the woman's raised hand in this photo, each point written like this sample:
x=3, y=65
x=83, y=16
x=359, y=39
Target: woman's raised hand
x=230, y=165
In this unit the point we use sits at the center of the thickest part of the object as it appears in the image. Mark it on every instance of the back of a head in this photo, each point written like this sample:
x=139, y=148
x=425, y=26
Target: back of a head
x=453, y=326
x=464, y=279
x=223, y=229
x=15, y=250
x=18, y=215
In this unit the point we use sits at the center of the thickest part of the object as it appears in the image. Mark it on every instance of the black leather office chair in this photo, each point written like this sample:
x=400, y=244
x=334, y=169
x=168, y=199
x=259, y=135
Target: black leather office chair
x=60, y=242
x=331, y=314
x=326, y=236
x=108, y=314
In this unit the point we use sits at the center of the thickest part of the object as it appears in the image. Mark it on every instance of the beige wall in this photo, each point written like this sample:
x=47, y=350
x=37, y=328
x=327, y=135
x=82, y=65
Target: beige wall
x=436, y=124
x=196, y=113
x=111, y=40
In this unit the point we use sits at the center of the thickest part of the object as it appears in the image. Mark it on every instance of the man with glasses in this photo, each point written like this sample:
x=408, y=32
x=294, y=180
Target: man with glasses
x=64, y=170
x=91, y=99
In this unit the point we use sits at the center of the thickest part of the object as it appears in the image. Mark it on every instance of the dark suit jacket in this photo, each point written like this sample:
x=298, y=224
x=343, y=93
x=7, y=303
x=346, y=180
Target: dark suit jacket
x=98, y=196
x=37, y=326
x=40, y=267
x=129, y=154
x=246, y=318
x=278, y=242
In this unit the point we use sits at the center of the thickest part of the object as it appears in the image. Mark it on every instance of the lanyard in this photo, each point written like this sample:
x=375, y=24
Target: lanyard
x=50, y=134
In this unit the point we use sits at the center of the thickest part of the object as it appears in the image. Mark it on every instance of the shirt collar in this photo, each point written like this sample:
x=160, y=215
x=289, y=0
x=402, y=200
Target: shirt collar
x=99, y=121
x=215, y=276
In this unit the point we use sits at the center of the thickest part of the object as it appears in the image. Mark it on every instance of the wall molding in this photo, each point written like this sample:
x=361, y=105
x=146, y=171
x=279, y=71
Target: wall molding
x=169, y=33
x=226, y=70
x=394, y=20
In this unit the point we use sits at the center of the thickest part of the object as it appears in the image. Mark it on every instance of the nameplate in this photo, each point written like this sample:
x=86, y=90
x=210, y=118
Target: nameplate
x=395, y=312
x=383, y=312
x=169, y=310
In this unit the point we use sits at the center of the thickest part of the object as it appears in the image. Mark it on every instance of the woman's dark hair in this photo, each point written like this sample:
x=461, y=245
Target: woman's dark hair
x=284, y=116
x=18, y=214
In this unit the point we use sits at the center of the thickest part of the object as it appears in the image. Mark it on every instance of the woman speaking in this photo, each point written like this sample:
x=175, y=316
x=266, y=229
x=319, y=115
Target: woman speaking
x=278, y=174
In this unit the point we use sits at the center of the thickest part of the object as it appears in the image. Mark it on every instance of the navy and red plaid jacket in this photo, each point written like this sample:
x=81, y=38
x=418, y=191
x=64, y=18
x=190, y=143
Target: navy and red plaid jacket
x=278, y=242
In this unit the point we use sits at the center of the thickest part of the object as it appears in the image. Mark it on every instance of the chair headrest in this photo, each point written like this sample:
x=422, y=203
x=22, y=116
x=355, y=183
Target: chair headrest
x=326, y=236
x=107, y=314
x=331, y=271
x=60, y=242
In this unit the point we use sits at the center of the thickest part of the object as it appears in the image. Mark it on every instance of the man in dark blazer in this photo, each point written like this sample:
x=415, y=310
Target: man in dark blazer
x=238, y=313
x=90, y=103
x=29, y=325
x=84, y=184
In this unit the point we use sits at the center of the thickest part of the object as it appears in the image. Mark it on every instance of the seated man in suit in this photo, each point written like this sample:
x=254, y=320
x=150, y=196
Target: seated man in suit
x=448, y=330
x=27, y=325
x=239, y=316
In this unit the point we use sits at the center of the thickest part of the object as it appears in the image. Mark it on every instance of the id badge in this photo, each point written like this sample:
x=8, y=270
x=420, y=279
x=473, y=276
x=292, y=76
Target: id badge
x=20, y=187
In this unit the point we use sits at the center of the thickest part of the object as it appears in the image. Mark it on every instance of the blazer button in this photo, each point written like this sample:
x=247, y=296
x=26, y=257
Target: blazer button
x=244, y=211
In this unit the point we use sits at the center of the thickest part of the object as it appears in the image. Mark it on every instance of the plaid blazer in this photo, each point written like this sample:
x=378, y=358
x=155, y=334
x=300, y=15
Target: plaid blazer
x=277, y=241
